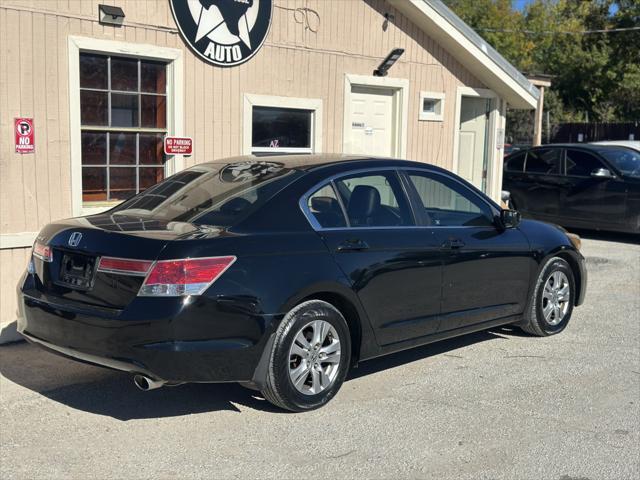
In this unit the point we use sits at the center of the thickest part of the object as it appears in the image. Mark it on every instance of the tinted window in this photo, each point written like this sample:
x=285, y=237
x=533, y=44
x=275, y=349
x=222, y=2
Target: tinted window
x=624, y=159
x=515, y=163
x=374, y=200
x=215, y=194
x=546, y=160
x=281, y=127
x=447, y=203
x=325, y=208
x=581, y=163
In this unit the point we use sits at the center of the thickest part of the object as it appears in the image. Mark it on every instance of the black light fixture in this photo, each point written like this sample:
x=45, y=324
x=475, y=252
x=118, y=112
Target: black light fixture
x=388, y=62
x=110, y=15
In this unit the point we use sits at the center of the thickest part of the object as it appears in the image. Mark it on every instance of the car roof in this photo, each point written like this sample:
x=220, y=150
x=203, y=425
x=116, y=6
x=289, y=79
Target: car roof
x=586, y=146
x=316, y=161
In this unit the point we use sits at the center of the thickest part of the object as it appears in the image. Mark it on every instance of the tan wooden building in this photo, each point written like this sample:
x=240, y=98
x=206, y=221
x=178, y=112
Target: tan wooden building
x=102, y=97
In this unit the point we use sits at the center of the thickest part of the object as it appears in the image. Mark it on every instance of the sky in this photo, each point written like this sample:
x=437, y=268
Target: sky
x=520, y=4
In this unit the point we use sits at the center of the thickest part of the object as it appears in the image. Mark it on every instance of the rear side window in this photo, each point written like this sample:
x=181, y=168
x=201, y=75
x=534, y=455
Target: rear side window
x=211, y=194
x=581, y=163
x=323, y=204
x=515, y=162
x=546, y=161
x=374, y=200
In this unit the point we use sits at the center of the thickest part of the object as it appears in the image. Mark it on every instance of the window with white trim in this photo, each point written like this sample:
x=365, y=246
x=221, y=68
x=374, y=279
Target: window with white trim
x=123, y=119
x=431, y=106
x=281, y=125
x=282, y=129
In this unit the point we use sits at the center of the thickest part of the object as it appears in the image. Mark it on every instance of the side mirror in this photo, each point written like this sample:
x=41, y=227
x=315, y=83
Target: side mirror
x=505, y=198
x=509, y=218
x=602, y=173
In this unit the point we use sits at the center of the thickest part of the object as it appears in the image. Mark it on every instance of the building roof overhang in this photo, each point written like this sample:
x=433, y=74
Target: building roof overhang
x=471, y=50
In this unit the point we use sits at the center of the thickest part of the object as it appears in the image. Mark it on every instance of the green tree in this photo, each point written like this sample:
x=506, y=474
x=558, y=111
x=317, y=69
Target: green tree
x=596, y=76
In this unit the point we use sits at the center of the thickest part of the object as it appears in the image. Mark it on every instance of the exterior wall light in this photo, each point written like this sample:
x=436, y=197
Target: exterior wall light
x=388, y=62
x=109, y=15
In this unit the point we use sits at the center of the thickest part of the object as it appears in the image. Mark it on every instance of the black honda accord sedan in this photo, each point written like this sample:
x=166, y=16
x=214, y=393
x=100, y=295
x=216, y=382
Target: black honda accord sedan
x=282, y=273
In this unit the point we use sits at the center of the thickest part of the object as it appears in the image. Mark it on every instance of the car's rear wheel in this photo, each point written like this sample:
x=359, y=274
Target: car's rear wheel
x=551, y=305
x=310, y=357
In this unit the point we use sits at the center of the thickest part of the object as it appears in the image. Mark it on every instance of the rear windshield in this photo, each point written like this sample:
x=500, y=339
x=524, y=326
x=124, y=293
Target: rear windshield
x=211, y=194
x=626, y=160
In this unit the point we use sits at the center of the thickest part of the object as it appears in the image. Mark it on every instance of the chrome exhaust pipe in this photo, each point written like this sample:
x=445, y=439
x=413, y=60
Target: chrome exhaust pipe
x=145, y=383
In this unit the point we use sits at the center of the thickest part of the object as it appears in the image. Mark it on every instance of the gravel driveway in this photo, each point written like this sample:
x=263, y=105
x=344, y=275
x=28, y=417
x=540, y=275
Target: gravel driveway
x=495, y=404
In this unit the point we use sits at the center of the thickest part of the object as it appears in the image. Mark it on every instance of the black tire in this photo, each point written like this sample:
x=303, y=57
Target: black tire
x=279, y=388
x=534, y=321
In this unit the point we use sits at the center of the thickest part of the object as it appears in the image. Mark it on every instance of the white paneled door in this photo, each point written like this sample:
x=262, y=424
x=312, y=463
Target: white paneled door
x=372, y=121
x=472, y=141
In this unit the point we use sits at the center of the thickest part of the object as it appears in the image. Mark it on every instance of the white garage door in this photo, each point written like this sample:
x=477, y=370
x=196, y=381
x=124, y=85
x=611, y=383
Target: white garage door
x=372, y=120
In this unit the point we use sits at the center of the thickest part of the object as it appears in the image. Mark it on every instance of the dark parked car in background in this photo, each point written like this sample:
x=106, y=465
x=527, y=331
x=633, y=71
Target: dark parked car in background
x=281, y=274
x=577, y=185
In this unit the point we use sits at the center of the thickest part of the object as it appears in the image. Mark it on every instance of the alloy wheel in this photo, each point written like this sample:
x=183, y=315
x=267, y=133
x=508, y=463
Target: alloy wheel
x=555, y=298
x=314, y=357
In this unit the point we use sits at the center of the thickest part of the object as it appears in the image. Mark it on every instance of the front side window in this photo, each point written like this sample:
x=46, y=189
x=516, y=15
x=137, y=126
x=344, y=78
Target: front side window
x=374, y=200
x=544, y=161
x=581, y=163
x=281, y=129
x=624, y=159
x=123, y=118
x=448, y=204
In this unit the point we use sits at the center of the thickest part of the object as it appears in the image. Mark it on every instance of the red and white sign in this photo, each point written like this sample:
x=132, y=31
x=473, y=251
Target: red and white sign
x=178, y=145
x=24, y=135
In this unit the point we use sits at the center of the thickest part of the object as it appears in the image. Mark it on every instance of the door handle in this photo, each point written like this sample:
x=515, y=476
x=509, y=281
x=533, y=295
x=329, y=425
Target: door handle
x=353, y=245
x=453, y=244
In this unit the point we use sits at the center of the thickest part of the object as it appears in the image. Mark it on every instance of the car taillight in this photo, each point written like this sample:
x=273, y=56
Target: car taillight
x=124, y=266
x=43, y=252
x=190, y=276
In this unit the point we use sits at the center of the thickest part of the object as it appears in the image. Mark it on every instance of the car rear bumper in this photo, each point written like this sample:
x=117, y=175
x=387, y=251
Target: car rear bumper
x=201, y=342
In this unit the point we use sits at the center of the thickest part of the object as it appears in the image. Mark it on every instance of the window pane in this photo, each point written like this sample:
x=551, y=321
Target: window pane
x=324, y=206
x=581, y=163
x=154, y=111
x=124, y=110
x=428, y=105
x=624, y=159
x=546, y=161
x=122, y=148
x=153, y=77
x=124, y=74
x=122, y=183
x=151, y=149
x=448, y=204
x=94, y=148
x=281, y=127
x=94, y=184
x=374, y=201
x=93, y=71
x=515, y=163
x=149, y=176
x=93, y=108
x=211, y=195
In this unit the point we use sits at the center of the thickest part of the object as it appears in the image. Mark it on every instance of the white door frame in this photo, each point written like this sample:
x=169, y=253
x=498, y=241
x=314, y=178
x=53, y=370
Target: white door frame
x=494, y=121
x=400, y=88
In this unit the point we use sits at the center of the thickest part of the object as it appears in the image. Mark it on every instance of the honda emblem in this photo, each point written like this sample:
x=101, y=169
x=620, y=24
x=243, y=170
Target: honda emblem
x=74, y=239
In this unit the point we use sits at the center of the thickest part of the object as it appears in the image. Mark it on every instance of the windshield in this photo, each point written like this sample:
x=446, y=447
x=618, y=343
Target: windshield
x=626, y=160
x=211, y=194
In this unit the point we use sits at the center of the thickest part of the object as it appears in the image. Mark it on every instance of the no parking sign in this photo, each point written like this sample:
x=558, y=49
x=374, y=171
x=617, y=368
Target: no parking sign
x=24, y=135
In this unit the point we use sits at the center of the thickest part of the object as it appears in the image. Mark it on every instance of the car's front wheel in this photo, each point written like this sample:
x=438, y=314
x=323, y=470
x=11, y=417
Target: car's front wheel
x=310, y=357
x=551, y=305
